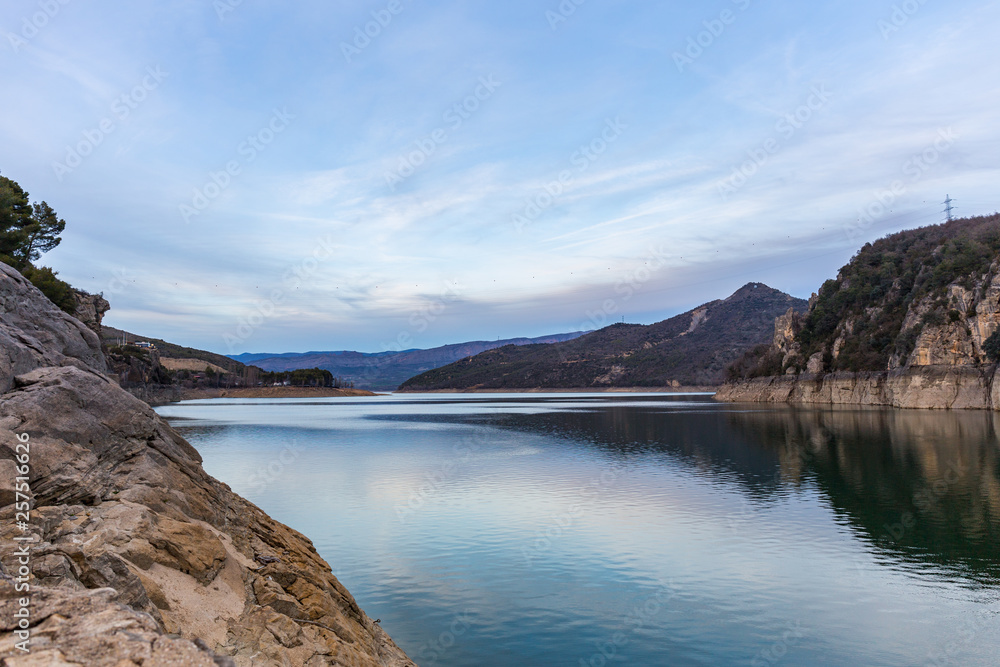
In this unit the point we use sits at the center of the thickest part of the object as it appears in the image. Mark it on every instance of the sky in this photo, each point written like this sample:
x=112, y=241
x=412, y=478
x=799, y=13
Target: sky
x=256, y=176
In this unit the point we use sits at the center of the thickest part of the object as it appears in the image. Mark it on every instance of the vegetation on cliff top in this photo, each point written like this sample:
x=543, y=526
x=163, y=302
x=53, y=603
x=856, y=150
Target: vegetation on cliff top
x=875, y=290
x=26, y=232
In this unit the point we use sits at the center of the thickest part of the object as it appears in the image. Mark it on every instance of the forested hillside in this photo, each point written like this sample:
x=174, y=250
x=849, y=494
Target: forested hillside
x=926, y=296
x=691, y=349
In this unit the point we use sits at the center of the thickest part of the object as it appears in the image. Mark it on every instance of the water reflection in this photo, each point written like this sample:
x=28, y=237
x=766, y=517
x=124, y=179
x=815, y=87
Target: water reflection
x=548, y=520
x=918, y=484
x=921, y=484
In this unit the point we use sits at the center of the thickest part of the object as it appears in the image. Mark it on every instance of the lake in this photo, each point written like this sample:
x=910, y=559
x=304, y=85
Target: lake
x=640, y=529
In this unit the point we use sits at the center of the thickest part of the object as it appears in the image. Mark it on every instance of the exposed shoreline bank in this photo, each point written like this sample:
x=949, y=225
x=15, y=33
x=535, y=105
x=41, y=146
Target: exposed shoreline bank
x=563, y=390
x=925, y=387
x=272, y=392
x=157, y=395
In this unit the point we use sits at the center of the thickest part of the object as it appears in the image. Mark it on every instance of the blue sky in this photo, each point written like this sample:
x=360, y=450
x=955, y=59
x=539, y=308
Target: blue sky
x=262, y=176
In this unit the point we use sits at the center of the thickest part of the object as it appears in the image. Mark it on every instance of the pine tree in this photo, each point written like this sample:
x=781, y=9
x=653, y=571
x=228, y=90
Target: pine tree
x=41, y=232
x=15, y=211
x=26, y=231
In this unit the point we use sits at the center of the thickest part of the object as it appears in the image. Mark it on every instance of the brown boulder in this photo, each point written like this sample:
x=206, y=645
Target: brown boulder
x=73, y=627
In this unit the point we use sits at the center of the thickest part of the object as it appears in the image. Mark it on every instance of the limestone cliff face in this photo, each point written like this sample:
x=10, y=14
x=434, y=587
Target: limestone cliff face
x=947, y=367
x=974, y=315
x=966, y=318
x=932, y=387
x=138, y=556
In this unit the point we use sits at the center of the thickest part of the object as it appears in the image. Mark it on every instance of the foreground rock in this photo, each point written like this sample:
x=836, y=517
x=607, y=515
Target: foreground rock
x=137, y=555
x=88, y=628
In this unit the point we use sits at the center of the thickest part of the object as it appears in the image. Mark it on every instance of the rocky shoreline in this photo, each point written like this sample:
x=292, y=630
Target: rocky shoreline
x=136, y=555
x=171, y=394
x=928, y=387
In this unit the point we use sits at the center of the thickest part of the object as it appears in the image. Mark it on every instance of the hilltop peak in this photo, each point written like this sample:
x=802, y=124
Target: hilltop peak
x=753, y=289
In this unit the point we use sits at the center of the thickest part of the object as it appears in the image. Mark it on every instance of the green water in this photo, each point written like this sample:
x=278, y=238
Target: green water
x=635, y=529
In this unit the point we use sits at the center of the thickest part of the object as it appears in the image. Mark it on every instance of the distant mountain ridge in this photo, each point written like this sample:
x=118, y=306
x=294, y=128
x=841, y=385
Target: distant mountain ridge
x=691, y=349
x=249, y=358
x=384, y=371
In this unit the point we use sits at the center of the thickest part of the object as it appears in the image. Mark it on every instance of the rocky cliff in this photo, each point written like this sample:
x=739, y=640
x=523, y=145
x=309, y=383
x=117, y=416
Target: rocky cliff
x=136, y=555
x=912, y=321
x=90, y=309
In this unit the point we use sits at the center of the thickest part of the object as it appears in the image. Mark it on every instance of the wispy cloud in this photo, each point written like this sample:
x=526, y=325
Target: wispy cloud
x=450, y=222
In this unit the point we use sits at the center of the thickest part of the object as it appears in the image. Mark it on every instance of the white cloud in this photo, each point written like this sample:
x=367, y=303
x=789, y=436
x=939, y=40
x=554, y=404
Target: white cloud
x=451, y=220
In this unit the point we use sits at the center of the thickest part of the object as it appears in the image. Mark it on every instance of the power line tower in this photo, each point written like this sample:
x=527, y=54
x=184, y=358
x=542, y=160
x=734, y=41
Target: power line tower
x=948, y=208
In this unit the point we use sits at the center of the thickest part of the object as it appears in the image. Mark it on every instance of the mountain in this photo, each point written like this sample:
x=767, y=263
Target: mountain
x=692, y=349
x=913, y=321
x=386, y=370
x=112, y=336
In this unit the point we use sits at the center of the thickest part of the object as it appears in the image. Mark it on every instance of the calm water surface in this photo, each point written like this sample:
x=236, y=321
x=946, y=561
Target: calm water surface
x=578, y=529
